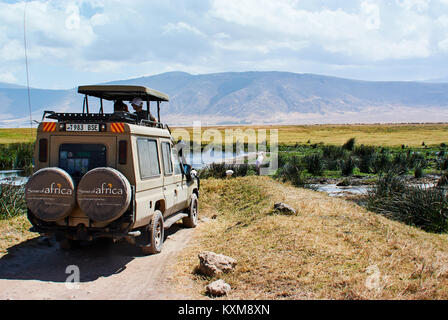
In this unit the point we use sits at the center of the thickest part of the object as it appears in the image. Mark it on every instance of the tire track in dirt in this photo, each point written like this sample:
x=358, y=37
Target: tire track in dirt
x=34, y=270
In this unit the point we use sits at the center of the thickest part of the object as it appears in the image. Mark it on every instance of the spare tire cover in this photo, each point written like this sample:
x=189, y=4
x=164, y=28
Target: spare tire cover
x=50, y=194
x=104, y=194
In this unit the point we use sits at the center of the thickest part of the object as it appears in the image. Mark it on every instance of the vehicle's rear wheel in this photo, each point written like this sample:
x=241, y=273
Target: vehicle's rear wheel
x=192, y=220
x=154, y=235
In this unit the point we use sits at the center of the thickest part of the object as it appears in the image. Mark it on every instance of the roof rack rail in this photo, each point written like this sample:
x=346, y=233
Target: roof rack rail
x=126, y=117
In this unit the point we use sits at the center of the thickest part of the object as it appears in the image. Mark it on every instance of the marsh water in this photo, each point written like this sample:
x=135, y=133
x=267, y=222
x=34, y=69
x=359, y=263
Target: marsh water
x=13, y=177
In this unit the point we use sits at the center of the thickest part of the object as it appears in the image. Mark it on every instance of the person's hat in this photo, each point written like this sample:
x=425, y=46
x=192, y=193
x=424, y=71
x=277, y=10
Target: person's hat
x=137, y=102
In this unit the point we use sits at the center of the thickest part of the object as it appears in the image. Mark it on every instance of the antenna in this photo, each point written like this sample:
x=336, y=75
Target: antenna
x=26, y=65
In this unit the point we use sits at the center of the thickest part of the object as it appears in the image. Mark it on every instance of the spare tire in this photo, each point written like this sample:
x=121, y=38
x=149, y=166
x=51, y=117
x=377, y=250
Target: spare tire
x=104, y=194
x=50, y=194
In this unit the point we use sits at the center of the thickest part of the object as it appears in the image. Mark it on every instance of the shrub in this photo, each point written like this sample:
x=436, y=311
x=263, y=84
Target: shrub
x=16, y=155
x=350, y=144
x=442, y=163
x=314, y=163
x=365, y=162
x=381, y=163
x=347, y=166
x=292, y=171
x=218, y=170
x=400, y=163
x=333, y=152
x=418, y=172
x=426, y=208
x=363, y=150
x=12, y=201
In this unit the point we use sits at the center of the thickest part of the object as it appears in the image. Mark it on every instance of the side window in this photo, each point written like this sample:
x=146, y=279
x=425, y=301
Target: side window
x=166, y=153
x=148, y=158
x=176, y=161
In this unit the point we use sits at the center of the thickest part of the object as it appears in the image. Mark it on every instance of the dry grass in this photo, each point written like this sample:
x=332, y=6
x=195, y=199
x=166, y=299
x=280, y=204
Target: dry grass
x=14, y=231
x=332, y=249
x=368, y=134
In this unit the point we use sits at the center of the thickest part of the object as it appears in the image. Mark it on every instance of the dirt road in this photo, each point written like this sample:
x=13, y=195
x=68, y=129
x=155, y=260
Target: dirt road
x=34, y=270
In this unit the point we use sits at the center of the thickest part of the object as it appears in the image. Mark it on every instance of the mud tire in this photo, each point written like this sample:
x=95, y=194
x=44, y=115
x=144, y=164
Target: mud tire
x=192, y=220
x=154, y=235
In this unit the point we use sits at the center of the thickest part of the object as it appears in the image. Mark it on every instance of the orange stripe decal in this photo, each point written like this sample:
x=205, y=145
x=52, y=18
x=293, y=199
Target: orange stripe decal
x=48, y=126
x=117, y=127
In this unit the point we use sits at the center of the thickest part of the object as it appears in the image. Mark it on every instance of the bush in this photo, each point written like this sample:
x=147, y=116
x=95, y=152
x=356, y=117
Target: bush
x=12, y=201
x=381, y=163
x=314, y=163
x=426, y=208
x=418, y=172
x=442, y=163
x=333, y=152
x=365, y=163
x=363, y=150
x=347, y=166
x=400, y=163
x=292, y=171
x=218, y=170
x=16, y=155
x=350, y=144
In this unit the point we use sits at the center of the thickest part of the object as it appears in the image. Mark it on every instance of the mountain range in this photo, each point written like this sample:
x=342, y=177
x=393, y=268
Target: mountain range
x=253, y=98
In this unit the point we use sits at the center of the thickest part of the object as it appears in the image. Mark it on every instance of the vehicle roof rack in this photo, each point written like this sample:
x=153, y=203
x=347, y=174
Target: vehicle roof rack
x=102, y=117
x=123, y=92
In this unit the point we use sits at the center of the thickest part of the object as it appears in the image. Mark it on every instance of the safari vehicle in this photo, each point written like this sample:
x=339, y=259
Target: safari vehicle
x=110, y=175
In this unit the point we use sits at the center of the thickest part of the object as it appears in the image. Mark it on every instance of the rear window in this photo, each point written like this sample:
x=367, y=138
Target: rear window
x=78, y=159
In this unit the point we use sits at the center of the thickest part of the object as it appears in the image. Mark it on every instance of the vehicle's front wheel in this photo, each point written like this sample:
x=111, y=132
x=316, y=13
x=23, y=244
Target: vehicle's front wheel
x=192, y=220
x=154, y=234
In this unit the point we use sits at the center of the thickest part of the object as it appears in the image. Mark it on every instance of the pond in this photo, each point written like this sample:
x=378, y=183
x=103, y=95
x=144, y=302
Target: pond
x=13, y=177
x=334, y=190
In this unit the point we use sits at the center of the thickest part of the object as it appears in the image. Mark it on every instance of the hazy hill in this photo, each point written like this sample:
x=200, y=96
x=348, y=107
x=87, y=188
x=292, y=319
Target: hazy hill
x=262, y=97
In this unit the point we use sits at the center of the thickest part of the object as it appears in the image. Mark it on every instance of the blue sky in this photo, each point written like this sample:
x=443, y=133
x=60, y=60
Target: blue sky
x=80, y=42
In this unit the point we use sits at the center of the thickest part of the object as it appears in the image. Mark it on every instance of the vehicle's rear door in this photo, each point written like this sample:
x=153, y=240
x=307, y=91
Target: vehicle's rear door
x=180, y=181
x=169, y=186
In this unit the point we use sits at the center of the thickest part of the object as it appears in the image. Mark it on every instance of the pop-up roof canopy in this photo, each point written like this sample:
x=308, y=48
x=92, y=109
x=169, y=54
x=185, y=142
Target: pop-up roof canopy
x=122, y=92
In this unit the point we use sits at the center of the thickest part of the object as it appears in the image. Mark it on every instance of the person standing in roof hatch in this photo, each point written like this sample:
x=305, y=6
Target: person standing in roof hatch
x=137, y=104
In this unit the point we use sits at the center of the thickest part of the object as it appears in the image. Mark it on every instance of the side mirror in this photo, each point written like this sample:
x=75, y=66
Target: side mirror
x=187, y=169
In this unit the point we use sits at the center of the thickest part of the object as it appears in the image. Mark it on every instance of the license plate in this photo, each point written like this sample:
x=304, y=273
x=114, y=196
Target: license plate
x=82, y=127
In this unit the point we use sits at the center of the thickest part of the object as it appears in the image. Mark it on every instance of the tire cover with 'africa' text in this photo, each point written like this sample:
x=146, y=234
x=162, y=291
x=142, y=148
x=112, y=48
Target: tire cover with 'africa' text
x=103, y=194
x=50, y=194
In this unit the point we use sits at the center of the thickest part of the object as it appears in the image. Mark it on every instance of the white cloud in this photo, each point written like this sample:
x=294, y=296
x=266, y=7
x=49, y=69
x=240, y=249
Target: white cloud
x=110, y=39
x=418, y=5
x=181, y=27
x=371, y=13
x=7, y=77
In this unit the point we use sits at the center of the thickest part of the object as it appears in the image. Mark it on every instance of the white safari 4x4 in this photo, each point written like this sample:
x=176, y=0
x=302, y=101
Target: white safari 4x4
x=116, y=175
